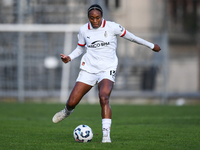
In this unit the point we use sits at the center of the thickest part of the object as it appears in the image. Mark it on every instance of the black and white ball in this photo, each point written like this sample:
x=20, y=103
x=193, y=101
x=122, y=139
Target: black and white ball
x=83, y=133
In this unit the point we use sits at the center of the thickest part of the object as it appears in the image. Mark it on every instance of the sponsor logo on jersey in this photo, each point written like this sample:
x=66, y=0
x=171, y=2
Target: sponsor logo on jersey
x=122, y=29
x=98, y=43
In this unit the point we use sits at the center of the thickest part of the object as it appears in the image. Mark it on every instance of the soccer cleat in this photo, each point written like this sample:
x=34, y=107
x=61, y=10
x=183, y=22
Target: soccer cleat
x=106, y=139
x=59, y=116
x=106, y=135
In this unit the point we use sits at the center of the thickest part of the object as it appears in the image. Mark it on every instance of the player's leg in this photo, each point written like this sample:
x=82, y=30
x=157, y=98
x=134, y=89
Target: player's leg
x=105, y=88
x=79, y=90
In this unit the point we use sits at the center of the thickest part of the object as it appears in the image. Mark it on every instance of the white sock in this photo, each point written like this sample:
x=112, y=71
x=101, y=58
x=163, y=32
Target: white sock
x=106, y=124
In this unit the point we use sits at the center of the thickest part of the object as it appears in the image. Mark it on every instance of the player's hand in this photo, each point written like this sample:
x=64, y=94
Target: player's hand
x=65, y=58
x=156, y=48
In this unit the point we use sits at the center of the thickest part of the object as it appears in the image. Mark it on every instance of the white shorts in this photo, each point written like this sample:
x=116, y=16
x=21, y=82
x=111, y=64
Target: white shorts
x=94, y=78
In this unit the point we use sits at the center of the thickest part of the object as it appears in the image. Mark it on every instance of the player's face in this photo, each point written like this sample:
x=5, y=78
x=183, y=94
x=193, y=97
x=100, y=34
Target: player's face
x=95, y=18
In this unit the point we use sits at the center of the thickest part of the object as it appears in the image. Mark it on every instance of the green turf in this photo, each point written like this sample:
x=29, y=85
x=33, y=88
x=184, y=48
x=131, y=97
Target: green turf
x=29, y=126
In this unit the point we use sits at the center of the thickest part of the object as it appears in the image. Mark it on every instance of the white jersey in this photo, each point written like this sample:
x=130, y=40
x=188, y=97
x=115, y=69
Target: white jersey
x=101, y=45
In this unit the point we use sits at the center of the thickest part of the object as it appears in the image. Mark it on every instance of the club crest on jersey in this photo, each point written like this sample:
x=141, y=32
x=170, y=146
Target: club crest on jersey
x=105, y=34
x=98, y=43
x=83, y=63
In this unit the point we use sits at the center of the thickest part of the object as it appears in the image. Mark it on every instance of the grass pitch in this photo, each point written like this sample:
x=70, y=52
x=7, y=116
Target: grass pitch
x=29, y=126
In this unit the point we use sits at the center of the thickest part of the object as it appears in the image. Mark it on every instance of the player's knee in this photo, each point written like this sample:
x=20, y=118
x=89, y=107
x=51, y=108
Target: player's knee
x=104, y=99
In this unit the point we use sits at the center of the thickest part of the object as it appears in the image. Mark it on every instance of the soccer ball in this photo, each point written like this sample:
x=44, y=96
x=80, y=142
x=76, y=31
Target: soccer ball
x=83, y=133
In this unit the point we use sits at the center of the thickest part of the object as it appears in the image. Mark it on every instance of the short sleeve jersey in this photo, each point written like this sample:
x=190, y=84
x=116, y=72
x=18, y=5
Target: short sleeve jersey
x=100, y=45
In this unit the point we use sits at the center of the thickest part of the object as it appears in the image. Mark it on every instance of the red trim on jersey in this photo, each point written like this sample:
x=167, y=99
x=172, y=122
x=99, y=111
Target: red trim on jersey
x=104, y=23
x=81, y=44
x=89, y=26
x=123, y=33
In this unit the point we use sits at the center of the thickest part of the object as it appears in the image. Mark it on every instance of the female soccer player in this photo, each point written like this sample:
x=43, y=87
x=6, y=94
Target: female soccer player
x=98, y=65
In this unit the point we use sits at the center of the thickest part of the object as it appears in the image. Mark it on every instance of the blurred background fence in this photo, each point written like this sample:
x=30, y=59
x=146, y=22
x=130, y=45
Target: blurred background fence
x=33, y=33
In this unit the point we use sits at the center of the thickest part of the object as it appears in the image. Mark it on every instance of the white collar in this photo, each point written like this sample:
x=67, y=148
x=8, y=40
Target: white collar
x=102, y=25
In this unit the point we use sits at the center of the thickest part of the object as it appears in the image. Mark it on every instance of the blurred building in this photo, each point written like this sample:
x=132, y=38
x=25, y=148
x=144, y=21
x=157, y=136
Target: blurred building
x=182, y=23
x=172, y=73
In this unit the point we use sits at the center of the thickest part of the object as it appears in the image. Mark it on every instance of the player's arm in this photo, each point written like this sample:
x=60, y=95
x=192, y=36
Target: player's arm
x=131, y=37
x=75, y=53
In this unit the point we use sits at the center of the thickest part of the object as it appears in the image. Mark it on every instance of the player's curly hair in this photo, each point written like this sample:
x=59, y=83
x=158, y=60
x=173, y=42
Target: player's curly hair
x=95, y=7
